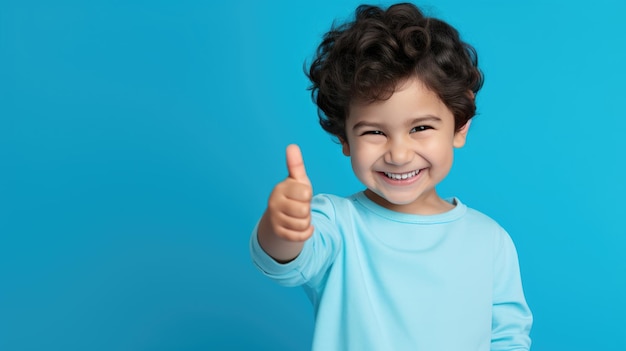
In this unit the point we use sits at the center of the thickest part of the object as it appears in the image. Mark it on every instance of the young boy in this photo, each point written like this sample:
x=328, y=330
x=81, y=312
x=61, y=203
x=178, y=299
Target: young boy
x=394, y=267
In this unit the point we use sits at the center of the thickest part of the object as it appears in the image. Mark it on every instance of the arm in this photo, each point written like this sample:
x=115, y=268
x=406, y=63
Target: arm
x=512, y=318
x=286, y=223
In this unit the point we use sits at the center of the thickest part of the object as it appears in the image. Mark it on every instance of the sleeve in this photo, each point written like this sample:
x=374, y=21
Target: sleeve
x=316, y=256
x=511, y=318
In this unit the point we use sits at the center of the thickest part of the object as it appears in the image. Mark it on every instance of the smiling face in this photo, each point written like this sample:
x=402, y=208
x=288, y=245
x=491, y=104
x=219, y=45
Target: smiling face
x=401, y=148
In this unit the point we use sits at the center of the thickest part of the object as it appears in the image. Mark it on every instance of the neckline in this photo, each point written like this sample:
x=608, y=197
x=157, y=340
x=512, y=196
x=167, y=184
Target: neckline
x=448, y=216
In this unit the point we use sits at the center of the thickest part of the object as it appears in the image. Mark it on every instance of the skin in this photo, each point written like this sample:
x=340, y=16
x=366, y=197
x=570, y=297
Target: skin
x=400, y=149
x=286, y=223
x=411, y=132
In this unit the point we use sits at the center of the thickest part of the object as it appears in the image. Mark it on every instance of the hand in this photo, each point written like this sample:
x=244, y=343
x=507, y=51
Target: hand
x=288, y=212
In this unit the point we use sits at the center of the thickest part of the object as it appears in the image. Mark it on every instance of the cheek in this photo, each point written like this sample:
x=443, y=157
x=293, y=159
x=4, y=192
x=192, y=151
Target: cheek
x=357, y=161
x=361, y=159
x=439, y=152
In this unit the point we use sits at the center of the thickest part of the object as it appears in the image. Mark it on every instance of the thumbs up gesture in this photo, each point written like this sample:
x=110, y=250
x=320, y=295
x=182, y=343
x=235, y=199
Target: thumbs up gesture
x=286, y=223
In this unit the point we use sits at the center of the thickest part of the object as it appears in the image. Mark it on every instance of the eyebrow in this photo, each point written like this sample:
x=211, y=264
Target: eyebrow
x=418, y=120
x=427, y=118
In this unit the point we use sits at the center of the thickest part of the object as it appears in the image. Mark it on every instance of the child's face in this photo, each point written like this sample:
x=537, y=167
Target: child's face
x=401, y=148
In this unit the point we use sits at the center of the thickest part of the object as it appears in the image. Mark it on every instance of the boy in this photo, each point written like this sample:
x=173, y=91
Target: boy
x=394, y=267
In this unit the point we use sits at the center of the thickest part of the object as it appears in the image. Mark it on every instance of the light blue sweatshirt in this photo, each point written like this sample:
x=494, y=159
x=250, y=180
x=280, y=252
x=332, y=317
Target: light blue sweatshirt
x=389, y=281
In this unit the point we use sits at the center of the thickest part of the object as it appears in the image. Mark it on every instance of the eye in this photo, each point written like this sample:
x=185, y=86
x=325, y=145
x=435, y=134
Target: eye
x=420, y=128
x=372, y=132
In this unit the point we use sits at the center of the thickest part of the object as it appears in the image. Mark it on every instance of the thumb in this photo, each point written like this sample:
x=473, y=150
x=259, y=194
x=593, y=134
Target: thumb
x=295, y=164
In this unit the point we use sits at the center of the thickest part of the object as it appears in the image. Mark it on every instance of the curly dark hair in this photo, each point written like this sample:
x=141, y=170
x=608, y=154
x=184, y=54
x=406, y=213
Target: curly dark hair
x=365, y=59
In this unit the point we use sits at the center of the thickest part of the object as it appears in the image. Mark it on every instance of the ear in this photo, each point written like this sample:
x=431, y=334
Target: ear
x=461, y=135
x=345, y=147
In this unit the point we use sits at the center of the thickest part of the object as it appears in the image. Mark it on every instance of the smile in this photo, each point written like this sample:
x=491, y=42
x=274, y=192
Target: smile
x=402, y=176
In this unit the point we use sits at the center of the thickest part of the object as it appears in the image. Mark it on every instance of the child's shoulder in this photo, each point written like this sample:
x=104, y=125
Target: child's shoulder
x=333, y=206
x=480, y=221
x=324, y=200
x=479, y=217
x=338, y=201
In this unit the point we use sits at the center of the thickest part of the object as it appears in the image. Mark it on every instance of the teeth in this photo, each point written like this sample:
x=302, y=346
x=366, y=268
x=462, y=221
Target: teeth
x=400, y=176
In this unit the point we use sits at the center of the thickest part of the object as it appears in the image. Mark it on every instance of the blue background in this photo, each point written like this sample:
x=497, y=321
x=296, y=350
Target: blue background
x=139, y=142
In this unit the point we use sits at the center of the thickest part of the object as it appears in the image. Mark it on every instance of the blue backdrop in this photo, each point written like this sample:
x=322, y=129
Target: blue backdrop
x=139, y=141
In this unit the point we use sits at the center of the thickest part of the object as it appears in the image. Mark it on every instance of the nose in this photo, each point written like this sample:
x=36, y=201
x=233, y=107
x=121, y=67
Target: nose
x=398, y=153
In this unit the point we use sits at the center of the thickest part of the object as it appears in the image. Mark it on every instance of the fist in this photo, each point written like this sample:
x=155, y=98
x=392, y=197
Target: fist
x=289, y=205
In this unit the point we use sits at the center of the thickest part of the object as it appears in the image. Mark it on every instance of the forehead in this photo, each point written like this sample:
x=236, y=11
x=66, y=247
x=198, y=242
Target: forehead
x=411, y=99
